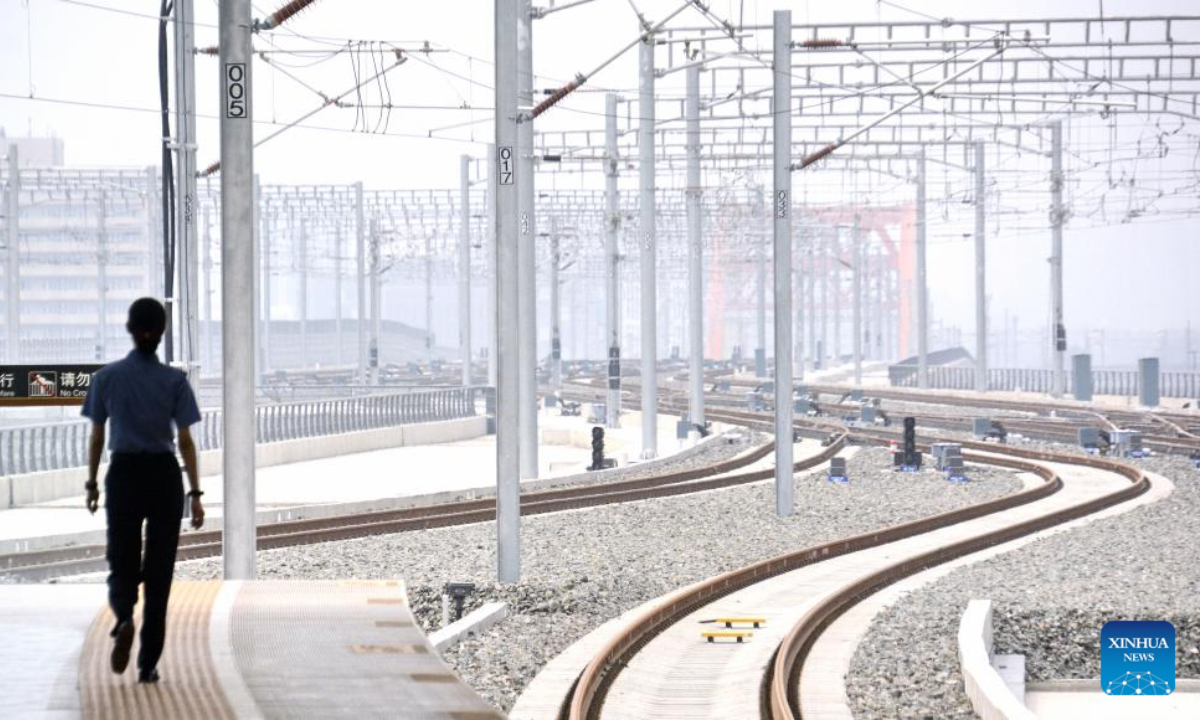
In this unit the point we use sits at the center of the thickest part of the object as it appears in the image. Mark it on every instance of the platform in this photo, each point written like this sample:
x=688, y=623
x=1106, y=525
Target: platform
x=357, y=482
x=262, y=649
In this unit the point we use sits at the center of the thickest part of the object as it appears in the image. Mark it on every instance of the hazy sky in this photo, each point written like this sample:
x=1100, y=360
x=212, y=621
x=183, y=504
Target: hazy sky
x=70, y=51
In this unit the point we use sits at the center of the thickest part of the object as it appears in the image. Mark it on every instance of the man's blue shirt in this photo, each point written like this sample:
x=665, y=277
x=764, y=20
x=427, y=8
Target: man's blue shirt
x=141, y=397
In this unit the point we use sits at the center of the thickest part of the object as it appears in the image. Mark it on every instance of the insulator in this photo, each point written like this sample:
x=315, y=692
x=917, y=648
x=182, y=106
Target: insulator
x=822, y=43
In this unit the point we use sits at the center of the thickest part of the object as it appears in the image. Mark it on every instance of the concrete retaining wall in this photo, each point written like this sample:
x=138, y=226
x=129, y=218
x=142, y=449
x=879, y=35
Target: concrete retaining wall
x=474, y=623
x=990, y=697
x=40, y=487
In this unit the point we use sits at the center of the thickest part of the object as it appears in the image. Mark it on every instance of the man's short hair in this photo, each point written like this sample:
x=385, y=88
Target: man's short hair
x=147, y=322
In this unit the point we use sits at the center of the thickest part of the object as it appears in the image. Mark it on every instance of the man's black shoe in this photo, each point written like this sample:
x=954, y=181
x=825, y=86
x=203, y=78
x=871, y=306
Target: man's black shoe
x=148, y=676
x=121, y=646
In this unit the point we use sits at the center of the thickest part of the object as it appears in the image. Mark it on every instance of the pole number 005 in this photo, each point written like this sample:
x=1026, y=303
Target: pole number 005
x=235, y=90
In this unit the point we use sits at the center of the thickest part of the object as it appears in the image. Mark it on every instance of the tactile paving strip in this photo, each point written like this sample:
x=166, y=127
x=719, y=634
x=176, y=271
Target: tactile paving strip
x=349, y=649
x=189, y=686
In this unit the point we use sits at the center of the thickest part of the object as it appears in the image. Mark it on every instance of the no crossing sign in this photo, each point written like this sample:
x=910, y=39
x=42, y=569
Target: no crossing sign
x=45, y=384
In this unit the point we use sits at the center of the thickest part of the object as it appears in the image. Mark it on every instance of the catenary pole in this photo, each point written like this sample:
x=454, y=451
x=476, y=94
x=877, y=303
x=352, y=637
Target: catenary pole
x=612, y=226
x=782, y=206
x=376, y=312
x=809, y=242
x=858, y=290
x=464, y=266
x=797, y=304
x=694, y=191
x=260, y=323
x=303, y=292
x=267, y=224
x=824, y=271
x=646, y=222
x=922, y=289
x=12, y=223
x=429, y=340
x=102, y=276
x=491, y=260
x=337, y=292
x=360, y=270
x=981, y=326
x=237, y=287
x=508, y=490
x=526, y=250
x=209, y=340
x=187, y=201
x=760, y=315
x=835, y=275
x=555, y=309
x=1058, y=338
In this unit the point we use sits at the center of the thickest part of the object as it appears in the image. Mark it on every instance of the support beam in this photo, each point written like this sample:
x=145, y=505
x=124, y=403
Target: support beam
x=1058, y=331
x=981, y=327
x=782, y=205
x=464, y=266
x=527, y=249
x=237, y=287
x=612, y=301
x=922, y=284
x=693, y=192
x=646, y=227
x=508, y=489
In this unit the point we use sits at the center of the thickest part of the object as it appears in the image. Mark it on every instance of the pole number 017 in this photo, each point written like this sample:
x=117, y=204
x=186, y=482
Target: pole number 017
x=235, y=90
x=505, y=160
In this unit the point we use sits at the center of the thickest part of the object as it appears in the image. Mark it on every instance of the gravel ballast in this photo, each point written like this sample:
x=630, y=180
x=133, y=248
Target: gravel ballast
x=584, y=567
x=1050, y=599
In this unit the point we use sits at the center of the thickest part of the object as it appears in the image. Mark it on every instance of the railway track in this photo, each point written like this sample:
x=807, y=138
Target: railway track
x=1170, y=433
x=780, y=682
x=782, y=685
x=42, y=565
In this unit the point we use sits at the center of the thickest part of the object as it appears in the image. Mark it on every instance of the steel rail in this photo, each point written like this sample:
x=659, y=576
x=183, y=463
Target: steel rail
x=588, y=692
x=587, y=696
x=90, y=558
x=781, y=685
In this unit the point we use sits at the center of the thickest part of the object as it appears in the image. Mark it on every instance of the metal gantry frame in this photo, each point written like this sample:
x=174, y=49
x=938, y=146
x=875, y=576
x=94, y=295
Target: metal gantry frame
x=885, y=125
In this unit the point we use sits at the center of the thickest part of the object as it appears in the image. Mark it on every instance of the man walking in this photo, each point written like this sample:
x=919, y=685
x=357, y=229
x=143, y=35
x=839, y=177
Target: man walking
x=140, y=398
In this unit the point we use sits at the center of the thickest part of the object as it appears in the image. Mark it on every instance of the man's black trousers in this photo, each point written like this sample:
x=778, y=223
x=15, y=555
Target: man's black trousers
x=143, y=487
